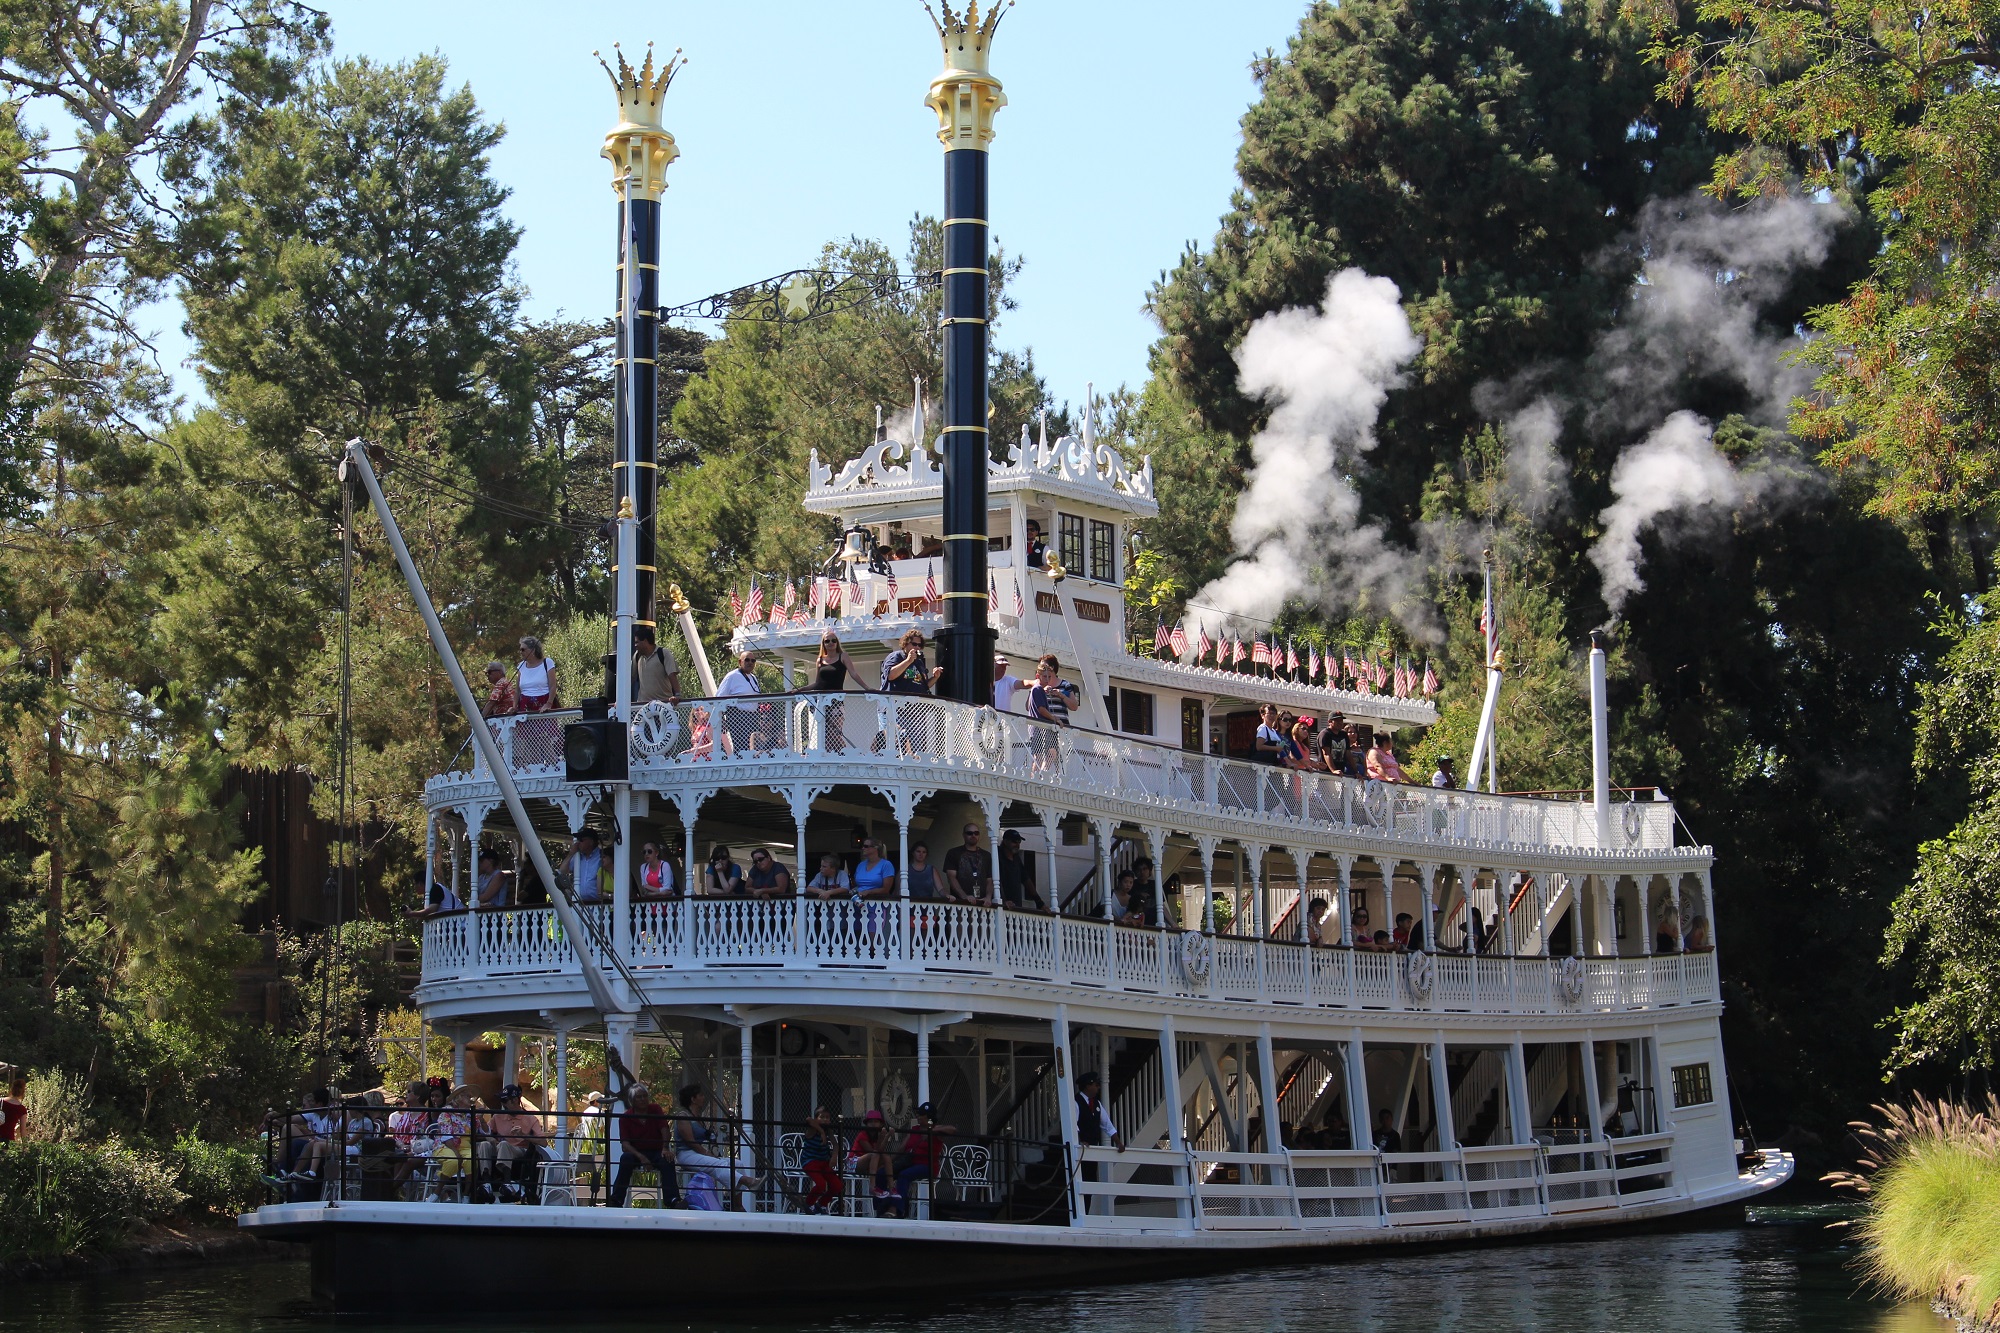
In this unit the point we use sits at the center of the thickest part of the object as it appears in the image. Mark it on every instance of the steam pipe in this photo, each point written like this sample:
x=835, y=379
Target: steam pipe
x=482, y=736
x=1600, y=741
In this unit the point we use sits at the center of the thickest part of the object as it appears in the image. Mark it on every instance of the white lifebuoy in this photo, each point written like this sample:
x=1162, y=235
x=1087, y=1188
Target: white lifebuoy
x=1195, y=950
x=1634, y=820
x=989, y=735
x=1569, y=979
x=1420, y=974
x=655, y=728
x=1375, y=799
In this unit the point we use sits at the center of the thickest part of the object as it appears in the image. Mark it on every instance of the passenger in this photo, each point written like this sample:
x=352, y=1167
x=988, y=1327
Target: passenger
x=875, y=876
x=1316, y=912
x=832, y=669
x=1005, y=685
x=1333, y=745
x=516, y=1149
x=1305, y=749
x=410, y=1123
x=1382, y=763
x=869, y=1158
x=1270, y=744
x=1416, y=936
x=1401, y=936
x=535, y=678
x=656, y=672
x=1357, y=753
x=968, y=871
x=1667, y=939
x=1386, y=1138
x=1363, y=939
x=642, y=1143
x=443, y=897
x=655, y=877
x=501, y=700
x=1049, y=701
x=904, y=671
x=1017, y=877
x=1123, y=910
x=701, y=735
x=923, y=875
x=1442, y=776
x=1697, y=935
x=695, y=1147
x=739, y=723
x=830, y=884
x=14, y=1110
x=451, y=1141
x=768, y=878
x=817, y=1149
x=1172, y=898
x=589, y=874
x=724, y=878
x=1038, y=550
x=918, y=1159
x=492, y=882
x=1383, y=944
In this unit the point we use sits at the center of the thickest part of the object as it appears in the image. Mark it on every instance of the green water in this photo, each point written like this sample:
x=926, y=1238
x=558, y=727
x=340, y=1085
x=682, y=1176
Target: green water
x=1782, y=1271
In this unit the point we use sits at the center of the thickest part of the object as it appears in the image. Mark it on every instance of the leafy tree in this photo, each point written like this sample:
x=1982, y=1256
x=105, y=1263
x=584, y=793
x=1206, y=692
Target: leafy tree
x=1896, y=107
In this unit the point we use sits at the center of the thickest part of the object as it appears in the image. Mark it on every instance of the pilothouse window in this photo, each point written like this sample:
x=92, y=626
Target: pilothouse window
x=1069, y=542
x=1692, y=1086
x=1103, y=552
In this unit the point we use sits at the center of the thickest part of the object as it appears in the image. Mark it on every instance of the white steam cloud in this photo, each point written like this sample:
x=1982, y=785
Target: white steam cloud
x=1298, y=531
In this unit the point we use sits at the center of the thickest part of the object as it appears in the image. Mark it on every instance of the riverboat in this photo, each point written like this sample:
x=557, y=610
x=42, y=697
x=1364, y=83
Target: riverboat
x=1543, y=1057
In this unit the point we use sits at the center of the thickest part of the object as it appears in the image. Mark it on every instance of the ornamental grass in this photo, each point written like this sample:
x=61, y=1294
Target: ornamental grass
x=1930, y=1174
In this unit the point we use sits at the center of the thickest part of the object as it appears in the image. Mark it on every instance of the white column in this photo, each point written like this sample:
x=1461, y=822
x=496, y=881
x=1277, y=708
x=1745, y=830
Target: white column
x=1520, y=1114
x=621, y=853
x=1052, y=835
x=1674, y=906
x=1503, y=897
x=1428, y=907
x=1170, y=1074
x=1267, y=1083
x=1360, y=1114
x=1205, y=848
x=1156, y=849
x=458, y=1058
x=457, y=885
x=565, y=1127
x=1236, y=871
x=1103, y=829
x=1708, y=906
x=620, y=1033
x=923, y=1058
x=1066, y=1094
x=1441, y=1096
x=801, y=803
x=1301, y=862
x=746, y=1102
x=510, y=1059
x=1345, y=907
x=1592, y=1094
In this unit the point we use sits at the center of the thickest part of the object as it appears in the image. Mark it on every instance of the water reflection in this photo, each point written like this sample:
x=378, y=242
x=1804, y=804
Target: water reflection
x=1783, y=1272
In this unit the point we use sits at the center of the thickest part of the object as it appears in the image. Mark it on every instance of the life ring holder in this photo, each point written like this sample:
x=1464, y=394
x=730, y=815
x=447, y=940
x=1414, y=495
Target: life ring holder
x=1634, y=821
x=1420, y=974
x=656, y=726
x=1569, y=980
x=1375, y=799
x=1196, y=951
x=989, y=735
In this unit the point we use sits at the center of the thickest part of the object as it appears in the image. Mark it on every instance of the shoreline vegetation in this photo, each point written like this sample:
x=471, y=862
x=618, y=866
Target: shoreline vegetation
x=1929, y=1175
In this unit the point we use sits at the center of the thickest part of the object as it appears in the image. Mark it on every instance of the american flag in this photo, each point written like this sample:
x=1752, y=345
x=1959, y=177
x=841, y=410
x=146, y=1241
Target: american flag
x=1236, y=659
x=1291, y=657
x=1381, y=674
x=1204, y=645
x=778, y=616
x=932, y=601
x=1430, y=679
x=1020, y=607
x=818, y=596
x=791, y=594
x=1347, y=665
x=1178, y=639
x=1398, y=685
x=735, y=607
x=1159, y=638
x=992, y=596
x=754, y=612
x=1314, y=663
x=853, y=595
x=892, y=589
x=1260, y=652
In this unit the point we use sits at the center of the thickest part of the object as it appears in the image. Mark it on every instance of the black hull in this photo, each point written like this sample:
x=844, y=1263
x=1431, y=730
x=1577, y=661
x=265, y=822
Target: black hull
x=414, y=1264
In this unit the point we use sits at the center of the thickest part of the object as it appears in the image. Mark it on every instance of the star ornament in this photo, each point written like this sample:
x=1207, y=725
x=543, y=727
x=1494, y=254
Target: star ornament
x=797, y=296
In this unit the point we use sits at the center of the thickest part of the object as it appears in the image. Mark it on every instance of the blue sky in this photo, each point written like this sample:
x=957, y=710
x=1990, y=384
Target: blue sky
x=803, y=122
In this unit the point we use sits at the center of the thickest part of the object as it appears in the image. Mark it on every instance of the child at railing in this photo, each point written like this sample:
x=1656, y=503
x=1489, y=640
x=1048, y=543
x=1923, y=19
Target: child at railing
x=868, y=1157
x=816, y=1153
x=701, y=735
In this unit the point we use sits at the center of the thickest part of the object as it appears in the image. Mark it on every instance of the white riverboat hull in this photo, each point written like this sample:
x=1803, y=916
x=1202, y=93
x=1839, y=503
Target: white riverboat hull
x=414, y=1256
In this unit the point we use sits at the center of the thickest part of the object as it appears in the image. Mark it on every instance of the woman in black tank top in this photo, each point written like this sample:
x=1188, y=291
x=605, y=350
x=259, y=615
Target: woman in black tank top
x=832, y=670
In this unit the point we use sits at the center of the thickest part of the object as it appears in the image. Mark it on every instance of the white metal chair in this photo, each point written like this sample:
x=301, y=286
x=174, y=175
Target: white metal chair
x=968, y=1169
x=557, y=1182
x=791, y=1171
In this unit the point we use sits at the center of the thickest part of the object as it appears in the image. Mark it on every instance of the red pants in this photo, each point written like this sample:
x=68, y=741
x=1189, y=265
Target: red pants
x=825, y=1184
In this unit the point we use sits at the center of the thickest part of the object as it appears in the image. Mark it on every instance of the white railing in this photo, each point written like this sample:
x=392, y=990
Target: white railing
x=1324, y=1190
x=715, y=735
x=692, y=934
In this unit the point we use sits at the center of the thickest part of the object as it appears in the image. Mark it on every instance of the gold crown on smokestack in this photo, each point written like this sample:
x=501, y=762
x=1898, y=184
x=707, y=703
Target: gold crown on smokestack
x=966, y=95
x=639, y=146
x=967, y=40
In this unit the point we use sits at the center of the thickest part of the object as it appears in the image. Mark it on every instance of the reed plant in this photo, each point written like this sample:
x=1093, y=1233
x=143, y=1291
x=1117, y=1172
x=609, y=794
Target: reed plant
x=1930, y=1175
